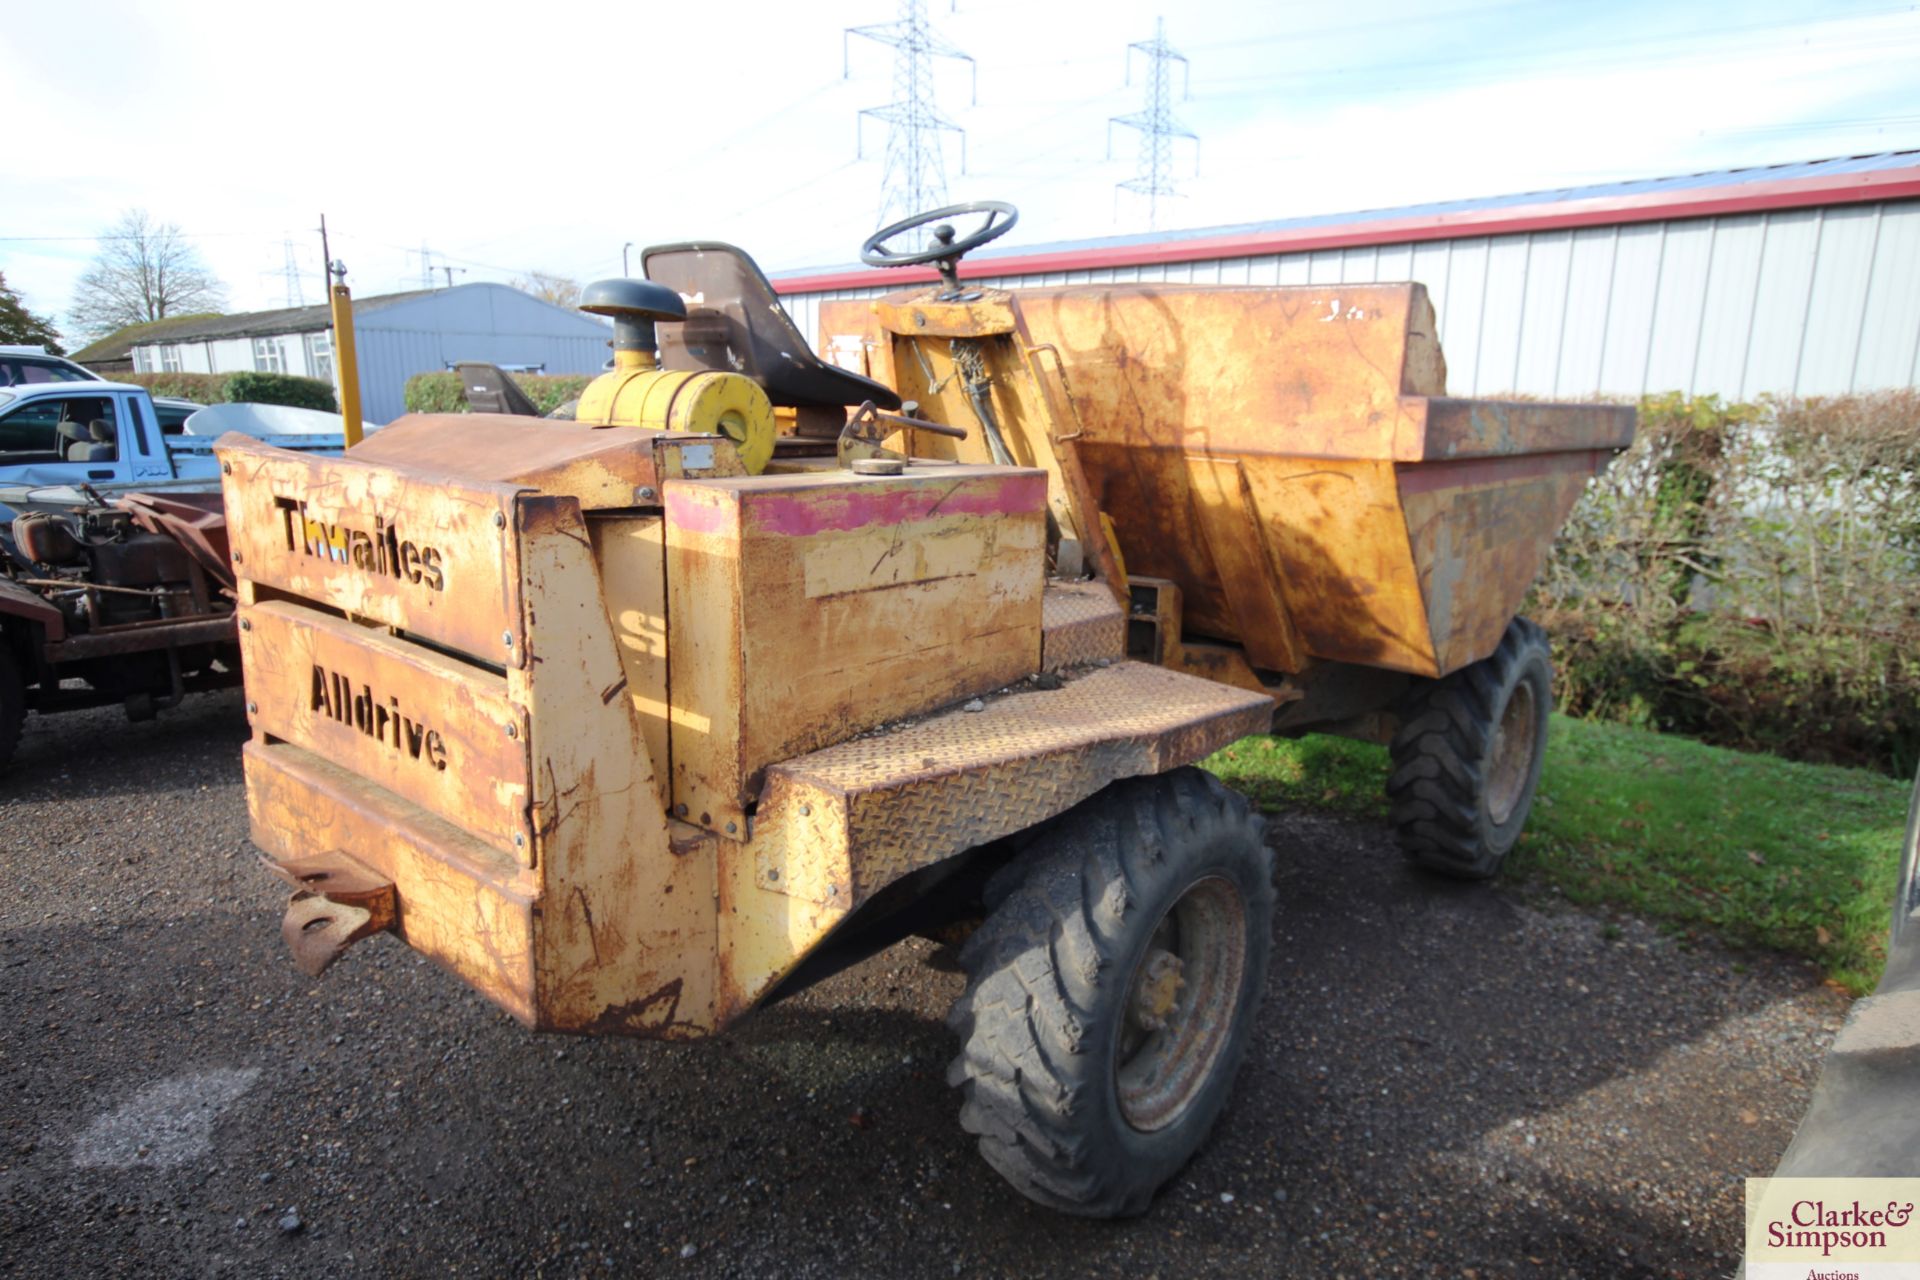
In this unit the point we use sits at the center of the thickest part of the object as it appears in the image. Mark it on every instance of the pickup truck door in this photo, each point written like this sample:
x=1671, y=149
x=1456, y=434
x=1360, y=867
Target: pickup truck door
x=141, y=442
x=40, y=436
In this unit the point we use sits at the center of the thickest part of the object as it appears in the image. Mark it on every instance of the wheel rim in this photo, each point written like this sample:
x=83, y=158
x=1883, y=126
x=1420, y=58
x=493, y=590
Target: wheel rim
x=1512, y=763
x=1180, y=1004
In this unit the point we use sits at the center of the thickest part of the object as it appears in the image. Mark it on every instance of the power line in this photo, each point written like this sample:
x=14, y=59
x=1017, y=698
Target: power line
x=914, y=178
x=1155, y=123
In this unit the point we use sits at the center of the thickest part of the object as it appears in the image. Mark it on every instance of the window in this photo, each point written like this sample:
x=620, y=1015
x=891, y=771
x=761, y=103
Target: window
x=320, y=356
x=142, y=360
x=42, y=430
x=27, y=434
x=23, y=370
x=173, y=414
x=269, y=356
x=170, y=359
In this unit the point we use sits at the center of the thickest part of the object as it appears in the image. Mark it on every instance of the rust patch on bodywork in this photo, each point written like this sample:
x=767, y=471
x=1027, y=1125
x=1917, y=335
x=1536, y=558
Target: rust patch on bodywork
x=1253, y=446
x=654, y=1016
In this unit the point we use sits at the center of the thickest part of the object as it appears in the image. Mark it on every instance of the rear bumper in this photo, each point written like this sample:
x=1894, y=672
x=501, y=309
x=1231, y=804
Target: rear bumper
x=458, y=899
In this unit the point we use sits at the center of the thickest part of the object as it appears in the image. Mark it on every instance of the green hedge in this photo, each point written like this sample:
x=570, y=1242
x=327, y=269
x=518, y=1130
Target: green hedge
x=435, y=393
x=1749, y=574
x=243, y=387
x=443, y=392
x=204, y=388
x=281, y=388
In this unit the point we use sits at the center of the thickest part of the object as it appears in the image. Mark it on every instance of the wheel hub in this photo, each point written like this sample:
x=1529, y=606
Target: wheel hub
x=1181, y=1004
x=1512, y=755
x=1155, y=990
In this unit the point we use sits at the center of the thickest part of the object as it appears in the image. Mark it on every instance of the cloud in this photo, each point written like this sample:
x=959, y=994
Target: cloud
x=506, y=141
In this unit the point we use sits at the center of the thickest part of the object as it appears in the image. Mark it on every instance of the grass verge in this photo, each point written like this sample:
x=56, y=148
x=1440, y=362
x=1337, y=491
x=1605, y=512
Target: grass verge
x=1756, y=850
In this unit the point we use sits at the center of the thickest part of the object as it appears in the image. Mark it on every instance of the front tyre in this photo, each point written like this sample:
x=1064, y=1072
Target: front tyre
x=1112, y=990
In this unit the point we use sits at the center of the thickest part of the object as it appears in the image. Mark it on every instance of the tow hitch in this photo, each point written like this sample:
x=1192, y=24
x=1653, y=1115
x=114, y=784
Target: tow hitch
x=336, y=902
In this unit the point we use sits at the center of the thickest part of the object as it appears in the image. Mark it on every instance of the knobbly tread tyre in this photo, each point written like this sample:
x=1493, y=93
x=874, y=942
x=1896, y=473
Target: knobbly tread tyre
x=13, y=703
x=1437, y=791
x=1048, y=978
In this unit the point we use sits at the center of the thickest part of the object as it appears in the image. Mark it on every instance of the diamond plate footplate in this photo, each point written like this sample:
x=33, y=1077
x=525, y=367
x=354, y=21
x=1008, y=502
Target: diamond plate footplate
x=1080, y=622
x=838, y=825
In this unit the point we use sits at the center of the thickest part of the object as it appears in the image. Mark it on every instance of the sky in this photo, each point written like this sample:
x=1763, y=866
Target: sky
x=498, y=140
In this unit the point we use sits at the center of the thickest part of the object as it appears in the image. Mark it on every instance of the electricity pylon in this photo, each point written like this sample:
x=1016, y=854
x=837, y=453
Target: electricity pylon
x=914, y=178
x=1156, y=123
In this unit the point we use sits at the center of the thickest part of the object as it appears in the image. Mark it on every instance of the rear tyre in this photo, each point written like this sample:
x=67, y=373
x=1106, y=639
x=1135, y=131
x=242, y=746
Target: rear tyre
x=1112, y=990
x=1466, y=760
x=13, y=703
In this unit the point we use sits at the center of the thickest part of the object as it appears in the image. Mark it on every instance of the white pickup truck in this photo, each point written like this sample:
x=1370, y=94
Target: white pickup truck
x=58, y=436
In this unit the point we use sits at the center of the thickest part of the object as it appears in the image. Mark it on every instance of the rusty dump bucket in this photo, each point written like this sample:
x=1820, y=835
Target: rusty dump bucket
x=1289, y=457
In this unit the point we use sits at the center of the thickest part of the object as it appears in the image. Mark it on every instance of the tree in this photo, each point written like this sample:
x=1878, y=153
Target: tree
x=144, y=271
x=19, y=325
x=561, y=291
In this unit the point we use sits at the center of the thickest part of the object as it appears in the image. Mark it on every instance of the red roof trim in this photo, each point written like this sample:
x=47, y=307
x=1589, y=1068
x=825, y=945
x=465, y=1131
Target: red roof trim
x=1745, y=197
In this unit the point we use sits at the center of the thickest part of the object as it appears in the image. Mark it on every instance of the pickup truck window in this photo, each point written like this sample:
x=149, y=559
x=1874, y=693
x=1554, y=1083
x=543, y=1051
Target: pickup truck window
x=59, y=430
x=135, y=426
x=173, y=417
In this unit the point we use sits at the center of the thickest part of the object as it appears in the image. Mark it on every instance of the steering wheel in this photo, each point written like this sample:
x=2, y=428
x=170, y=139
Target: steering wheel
x=945, y=249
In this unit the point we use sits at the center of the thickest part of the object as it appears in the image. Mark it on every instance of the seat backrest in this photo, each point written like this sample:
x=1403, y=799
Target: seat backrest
x=70, y=436
x=100, y=446
x=735, y=324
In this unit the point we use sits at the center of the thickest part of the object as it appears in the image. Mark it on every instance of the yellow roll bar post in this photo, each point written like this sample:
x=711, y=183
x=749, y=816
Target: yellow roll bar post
x=343, y=363
x=346, y=370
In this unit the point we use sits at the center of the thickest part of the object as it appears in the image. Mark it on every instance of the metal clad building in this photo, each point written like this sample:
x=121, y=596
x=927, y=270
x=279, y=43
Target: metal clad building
x=1798, y=279
x=395, y=336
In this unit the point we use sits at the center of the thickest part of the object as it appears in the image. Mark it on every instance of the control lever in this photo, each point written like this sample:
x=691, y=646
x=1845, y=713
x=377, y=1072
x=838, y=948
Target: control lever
x=870, y=424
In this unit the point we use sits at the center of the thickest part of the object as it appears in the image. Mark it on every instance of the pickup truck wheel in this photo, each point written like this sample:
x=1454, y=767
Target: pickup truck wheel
x=1112, y=990
x=1466, y=760
x=13, y=703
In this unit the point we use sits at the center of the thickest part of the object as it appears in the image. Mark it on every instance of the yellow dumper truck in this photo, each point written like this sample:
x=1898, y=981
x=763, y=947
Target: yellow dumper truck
x=760, y=664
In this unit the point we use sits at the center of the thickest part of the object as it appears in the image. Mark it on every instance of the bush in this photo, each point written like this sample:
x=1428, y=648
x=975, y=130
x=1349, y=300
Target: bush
x=1750, y=574
x=435, y=393
x=243, y=387
x=551, y=390
x=203, y=388
x=281, y=388
x=443, y=392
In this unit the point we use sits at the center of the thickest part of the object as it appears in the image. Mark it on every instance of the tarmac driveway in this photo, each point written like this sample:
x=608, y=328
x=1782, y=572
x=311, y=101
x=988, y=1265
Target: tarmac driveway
x=1445, y=1080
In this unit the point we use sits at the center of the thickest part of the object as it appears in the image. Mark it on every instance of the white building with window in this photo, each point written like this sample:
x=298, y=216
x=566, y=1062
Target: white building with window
x=396, y=335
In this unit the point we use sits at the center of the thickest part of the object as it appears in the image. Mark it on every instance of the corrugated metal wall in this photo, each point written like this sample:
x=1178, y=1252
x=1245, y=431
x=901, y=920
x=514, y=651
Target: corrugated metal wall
x=388, y=357
x=1802, y=301
x=485, y=322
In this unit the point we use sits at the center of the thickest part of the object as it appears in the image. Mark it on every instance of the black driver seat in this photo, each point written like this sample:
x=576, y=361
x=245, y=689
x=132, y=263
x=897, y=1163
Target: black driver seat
x=735, y=324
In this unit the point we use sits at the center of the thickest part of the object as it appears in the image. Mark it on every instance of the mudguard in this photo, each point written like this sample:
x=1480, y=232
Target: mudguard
x=17, y=601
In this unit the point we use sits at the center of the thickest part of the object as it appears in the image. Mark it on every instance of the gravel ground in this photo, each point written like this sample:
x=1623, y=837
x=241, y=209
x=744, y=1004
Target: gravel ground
x=1444, y=1080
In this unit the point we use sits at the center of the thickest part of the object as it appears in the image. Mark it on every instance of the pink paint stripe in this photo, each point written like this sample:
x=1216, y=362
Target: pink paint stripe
x=1747, y=197
x=800, y=514
x=686, y=512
